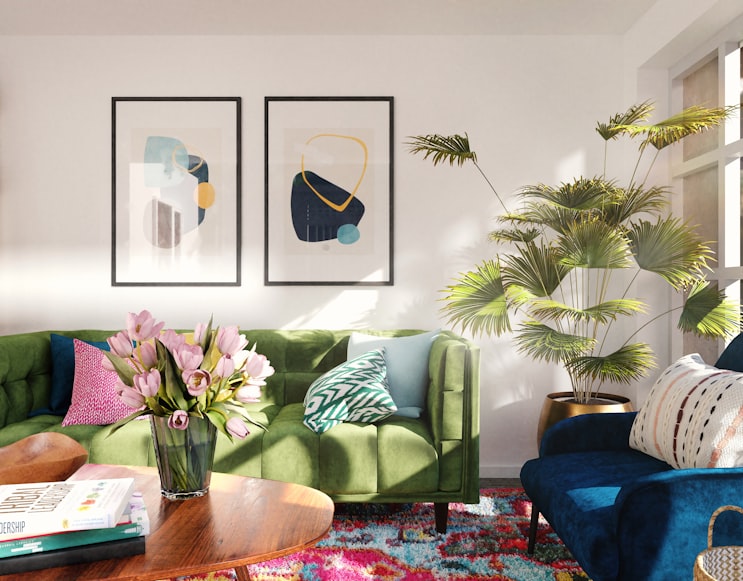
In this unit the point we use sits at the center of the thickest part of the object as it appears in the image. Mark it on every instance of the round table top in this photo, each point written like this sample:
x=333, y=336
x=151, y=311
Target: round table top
x=240, y=521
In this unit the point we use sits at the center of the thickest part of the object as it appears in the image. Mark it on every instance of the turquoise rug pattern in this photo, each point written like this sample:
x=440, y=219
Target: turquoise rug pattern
x=485, y=541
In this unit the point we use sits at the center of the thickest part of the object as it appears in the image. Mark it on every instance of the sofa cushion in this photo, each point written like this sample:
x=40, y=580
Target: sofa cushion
x=407, y=366
x=692, y=417
x=355, y=391
x=577, y=494
x=94, y=397
x=406, y=456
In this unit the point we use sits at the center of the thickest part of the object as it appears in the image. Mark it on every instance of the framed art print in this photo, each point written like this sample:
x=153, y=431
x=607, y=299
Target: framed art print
x=328, y=212
x=175, y=191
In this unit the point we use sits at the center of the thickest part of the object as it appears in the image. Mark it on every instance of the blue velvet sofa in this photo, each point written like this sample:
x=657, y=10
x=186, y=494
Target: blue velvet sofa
x=624, y=515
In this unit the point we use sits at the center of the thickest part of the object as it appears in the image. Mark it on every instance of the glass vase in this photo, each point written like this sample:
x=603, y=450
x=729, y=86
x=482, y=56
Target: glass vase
x=184, y=457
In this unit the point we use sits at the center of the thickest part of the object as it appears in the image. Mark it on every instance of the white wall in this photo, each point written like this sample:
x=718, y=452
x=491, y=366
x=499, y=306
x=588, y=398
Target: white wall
x=529, y=105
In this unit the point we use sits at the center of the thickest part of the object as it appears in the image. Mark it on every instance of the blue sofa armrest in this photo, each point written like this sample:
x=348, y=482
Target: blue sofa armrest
x=662, y=520
x=588, y=432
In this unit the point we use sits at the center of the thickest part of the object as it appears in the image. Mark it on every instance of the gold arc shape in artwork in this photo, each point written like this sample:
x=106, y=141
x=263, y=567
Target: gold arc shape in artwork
x=176, y=164
x=344, y=205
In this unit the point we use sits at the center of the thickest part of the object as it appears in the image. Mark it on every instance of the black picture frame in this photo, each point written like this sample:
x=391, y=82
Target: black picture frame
x=329, y=191
x=176, y=183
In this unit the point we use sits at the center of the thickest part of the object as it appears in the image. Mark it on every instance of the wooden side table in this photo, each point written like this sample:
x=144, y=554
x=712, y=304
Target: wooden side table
x=239, y=522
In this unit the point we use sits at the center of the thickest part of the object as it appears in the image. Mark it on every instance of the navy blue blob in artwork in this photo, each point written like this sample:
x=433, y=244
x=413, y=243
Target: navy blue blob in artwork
x=198, y=167
x=317, y=220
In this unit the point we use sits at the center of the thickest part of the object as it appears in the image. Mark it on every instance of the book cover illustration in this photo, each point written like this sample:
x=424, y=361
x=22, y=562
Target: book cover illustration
x=50, y=507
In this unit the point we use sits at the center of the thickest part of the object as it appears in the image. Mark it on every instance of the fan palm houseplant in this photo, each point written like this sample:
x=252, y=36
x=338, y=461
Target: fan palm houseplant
x=565, y=273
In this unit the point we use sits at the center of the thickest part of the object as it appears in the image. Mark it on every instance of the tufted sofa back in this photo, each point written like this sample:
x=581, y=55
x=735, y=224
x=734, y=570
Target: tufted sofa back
x=298, y=356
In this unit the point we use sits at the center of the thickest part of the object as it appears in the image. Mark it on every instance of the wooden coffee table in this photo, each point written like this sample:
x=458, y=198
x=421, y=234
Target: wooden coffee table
x=239, y=522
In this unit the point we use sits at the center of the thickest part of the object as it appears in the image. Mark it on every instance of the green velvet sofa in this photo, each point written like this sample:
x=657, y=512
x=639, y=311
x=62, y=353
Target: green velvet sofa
x=433, y=458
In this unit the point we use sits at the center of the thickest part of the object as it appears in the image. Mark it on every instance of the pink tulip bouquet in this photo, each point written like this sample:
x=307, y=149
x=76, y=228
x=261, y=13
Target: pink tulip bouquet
x=164, y=373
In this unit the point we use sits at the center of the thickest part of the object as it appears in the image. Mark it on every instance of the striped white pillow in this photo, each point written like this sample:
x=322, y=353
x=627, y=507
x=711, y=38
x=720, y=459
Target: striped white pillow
x=693, y=417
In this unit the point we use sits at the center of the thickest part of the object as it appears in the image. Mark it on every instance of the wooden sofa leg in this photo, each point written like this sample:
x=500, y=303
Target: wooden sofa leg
x=441, y=510
x=533, y=529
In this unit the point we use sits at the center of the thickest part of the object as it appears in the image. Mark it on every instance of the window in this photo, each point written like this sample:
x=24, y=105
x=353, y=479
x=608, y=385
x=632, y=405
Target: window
x=709, y=170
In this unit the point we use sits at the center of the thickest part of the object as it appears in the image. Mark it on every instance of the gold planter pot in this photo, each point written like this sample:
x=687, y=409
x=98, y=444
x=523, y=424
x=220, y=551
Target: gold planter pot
x=561, y=405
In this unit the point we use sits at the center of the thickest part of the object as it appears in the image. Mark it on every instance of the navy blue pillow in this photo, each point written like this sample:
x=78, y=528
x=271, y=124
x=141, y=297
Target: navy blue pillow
x=732, y=356
x=63, y=374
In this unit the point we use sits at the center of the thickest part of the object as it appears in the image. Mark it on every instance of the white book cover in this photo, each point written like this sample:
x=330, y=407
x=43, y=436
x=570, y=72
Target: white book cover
x=134, y=522
x=49, y=507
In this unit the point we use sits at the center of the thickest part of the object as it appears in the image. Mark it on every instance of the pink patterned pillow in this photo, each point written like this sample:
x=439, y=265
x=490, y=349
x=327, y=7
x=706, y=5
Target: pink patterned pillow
x=94, y=398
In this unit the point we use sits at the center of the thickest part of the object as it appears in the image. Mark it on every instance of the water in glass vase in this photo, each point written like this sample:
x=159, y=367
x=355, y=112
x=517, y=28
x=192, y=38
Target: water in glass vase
x=184, y=456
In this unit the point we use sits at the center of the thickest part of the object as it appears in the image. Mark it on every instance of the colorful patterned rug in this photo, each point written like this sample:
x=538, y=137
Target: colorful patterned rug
x=485, y=541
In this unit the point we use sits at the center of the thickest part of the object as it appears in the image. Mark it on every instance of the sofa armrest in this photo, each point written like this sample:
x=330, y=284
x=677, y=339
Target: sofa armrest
x=453, y=410
x=662, y=519
x=588, y=432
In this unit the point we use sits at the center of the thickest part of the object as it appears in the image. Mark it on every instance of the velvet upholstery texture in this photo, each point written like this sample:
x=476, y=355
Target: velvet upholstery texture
x=623, y=514
x=434, y=458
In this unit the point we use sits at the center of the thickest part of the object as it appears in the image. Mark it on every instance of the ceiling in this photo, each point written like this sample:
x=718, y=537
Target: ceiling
x=327, y=17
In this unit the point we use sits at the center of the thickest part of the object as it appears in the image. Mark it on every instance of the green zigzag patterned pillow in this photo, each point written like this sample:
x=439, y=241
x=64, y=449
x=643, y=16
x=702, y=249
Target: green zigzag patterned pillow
x=355, y=391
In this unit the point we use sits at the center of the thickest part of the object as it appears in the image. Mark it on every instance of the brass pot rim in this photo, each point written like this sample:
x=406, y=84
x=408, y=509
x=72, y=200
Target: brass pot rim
x=610, y=397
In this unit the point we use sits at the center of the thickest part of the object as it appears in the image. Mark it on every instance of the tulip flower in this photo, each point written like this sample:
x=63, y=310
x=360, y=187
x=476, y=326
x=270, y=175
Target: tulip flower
x=179, y=420
x=142, y=326
x=168, y=374
x=225, y=366
x=120, y=344
x=237, y=428
x=199, y=333
x=148, y=383
x=197, y=381
x=248, y=394
x=172, y=340
x=130, y=396
x=147, y=355
x=188, y=357
x=258, y=367
x=230, y=341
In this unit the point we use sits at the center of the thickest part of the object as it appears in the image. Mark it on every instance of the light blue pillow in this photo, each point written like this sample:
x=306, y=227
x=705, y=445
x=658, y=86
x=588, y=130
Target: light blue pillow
x=407, y=366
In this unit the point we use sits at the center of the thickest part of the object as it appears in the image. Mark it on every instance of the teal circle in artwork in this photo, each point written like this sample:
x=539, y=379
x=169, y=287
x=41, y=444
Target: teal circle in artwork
x=348, y=234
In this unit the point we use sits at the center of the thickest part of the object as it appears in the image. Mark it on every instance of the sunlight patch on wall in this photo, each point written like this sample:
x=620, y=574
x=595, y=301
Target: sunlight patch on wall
x=570, y=167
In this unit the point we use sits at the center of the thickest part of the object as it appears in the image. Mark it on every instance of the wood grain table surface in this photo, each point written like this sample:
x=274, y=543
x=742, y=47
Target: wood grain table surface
x=240, y=521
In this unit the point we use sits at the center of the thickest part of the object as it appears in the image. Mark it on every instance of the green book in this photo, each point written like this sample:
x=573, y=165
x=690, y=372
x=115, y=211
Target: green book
x=133, y=523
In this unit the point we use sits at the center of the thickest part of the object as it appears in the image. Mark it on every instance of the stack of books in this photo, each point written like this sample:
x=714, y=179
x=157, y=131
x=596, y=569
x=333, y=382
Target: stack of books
x=52, y=524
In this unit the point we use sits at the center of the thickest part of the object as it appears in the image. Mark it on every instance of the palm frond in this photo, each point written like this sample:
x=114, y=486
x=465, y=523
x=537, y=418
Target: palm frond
x=514, y=235
x=708, y=313
x=534, y=267
x=627, y=364
x=551, y=310
x=593, y=244
x=633, y=201
x=554, y=217
x=632, y=116
x=543, y=342
x=440, y=148
x=690, y=121
x=477, y=301
x=580, y=194
x=671, y=249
